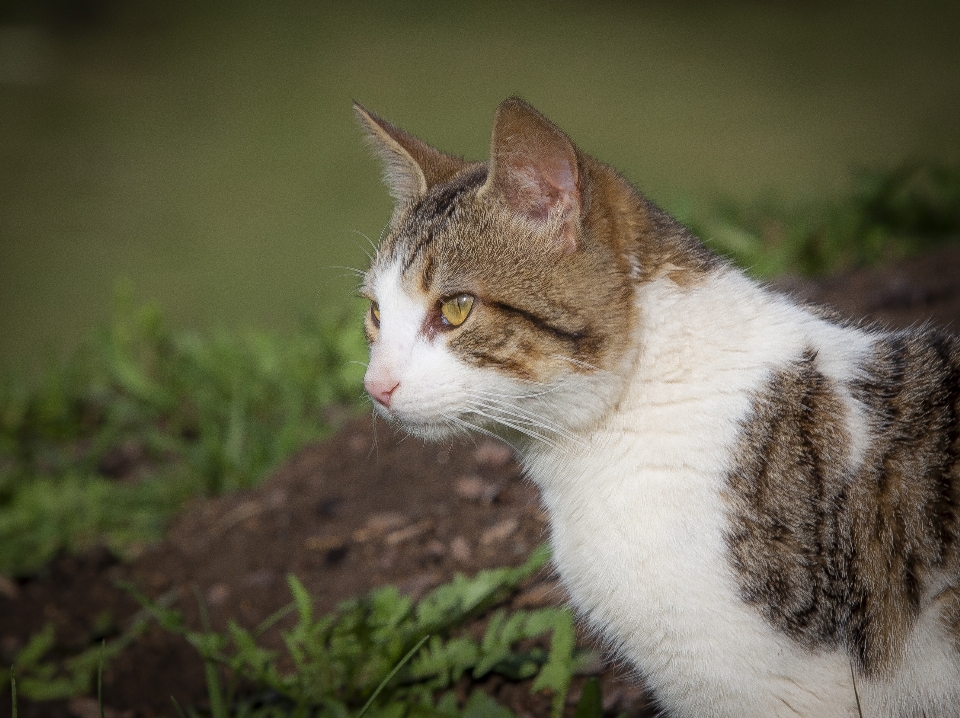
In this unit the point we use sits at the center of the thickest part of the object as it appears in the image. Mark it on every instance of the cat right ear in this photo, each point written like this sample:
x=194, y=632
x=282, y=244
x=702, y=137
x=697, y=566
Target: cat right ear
x=534, y=171
x=411, y=166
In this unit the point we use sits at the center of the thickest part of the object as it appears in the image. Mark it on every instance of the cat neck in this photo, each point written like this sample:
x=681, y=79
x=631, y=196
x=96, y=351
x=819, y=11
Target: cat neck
x=653, y=242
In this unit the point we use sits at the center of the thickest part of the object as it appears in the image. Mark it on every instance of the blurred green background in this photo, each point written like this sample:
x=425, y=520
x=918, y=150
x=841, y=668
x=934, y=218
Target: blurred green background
x=206, y=151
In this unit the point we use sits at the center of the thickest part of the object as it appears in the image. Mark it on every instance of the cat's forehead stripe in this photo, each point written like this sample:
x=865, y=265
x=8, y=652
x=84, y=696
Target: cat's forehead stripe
x=429, y=217
x=442, y=200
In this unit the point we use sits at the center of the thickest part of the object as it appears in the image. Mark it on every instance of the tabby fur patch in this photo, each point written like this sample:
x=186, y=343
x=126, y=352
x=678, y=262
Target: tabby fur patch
x=842, y=552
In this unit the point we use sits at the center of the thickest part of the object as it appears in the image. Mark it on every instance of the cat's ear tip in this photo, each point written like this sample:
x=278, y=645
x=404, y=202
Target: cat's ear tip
x=515, y=112
x=362, y=113
x=515, y=104
x=375, y=126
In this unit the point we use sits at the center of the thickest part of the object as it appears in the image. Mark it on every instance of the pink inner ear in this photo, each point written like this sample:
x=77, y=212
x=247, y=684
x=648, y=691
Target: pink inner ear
x=542, y=190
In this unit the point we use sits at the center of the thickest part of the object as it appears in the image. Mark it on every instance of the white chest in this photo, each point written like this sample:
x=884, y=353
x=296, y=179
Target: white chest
x=638, y=524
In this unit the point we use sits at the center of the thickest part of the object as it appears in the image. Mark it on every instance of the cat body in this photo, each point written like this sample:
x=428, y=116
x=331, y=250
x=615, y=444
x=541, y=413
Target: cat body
x=642, y=520
x=751, y=501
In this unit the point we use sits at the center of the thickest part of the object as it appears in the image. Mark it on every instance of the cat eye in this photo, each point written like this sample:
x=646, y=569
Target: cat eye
x=455, y=310
x=375, y=314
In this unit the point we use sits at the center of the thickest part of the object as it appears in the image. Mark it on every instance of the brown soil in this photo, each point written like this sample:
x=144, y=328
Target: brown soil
x=363, y=509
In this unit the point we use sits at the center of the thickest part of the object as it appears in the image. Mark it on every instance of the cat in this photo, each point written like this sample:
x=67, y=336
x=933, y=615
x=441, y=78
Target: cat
x=753, y=502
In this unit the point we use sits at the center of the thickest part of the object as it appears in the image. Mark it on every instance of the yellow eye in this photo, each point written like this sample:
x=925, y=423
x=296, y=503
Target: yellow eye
x=456, y=309
x=375, y=314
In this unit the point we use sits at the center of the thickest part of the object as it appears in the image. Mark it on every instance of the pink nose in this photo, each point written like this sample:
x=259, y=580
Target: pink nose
x=381, y=389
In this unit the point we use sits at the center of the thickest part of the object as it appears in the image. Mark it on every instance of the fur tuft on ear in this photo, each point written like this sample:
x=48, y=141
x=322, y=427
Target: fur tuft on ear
x=534, y=170
x=411, y=166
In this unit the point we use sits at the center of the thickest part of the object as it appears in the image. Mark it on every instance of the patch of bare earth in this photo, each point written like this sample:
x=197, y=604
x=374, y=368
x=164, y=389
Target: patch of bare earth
x=362, y=509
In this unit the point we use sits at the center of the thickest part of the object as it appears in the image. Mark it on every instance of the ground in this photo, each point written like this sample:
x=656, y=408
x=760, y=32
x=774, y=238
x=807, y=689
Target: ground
x=362, y=509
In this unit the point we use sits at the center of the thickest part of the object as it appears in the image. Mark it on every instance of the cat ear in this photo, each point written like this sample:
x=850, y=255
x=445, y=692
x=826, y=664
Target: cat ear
x=534, y=171
x=411, y=166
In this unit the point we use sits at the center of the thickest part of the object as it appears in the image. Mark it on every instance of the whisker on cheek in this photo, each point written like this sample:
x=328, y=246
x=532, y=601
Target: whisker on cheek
x=473, y=427
x=522, y=427
x=503, y=410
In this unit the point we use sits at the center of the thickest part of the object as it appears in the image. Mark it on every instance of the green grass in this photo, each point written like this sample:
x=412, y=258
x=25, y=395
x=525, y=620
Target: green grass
x=381, y=655
x=886, y=215
x=43, y=673
x=385, y=655
x=110, y=445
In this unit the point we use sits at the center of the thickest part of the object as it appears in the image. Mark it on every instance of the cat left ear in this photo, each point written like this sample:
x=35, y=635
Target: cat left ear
x=411, y=166
x=534, y=171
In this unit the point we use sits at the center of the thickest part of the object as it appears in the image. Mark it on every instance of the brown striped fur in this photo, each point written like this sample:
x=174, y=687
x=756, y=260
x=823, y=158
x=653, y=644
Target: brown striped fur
x=847, y=555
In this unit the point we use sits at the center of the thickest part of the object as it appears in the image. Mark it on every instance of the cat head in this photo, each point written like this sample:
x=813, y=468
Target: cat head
x=502, y=294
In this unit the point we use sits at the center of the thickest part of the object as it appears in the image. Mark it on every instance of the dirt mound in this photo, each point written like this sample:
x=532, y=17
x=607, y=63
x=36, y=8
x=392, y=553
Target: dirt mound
x=924, y=289
x=365, y=508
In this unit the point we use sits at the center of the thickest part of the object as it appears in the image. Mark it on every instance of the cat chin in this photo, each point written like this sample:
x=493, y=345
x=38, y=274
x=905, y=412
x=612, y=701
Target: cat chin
x=429, y=431
x=421, y=428
x=433, y=432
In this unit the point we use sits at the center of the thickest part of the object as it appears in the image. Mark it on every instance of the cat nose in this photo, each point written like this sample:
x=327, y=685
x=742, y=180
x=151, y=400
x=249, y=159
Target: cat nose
x=381, y=389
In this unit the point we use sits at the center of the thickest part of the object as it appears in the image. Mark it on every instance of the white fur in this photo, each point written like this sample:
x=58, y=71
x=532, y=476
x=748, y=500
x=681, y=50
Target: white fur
x=634, y=489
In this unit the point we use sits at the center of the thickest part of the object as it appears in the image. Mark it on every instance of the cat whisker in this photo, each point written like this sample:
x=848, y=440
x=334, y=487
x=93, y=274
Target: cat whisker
x=353, y=293
x=508, y=400
x=522, y=427
x=375, y=446
x=520, y=414
x=471, y=426
x=542, y=389
x=351, y=270
x=498, y=403
x=518, y=425
x=460, y=426
x=369, y=241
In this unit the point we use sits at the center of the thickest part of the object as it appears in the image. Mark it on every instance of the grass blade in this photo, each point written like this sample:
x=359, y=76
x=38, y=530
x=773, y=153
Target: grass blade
x=218, y=708
x=179, y=709
x=267, y=623
x=100, y=679
x=590, y=705
x=403, y=661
